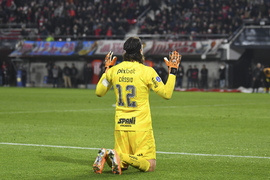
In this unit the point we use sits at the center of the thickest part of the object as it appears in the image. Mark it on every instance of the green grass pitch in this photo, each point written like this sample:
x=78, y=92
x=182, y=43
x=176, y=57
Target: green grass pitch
x=198, y=135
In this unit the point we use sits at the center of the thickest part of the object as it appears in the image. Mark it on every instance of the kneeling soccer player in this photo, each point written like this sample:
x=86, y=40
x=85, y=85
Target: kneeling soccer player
x=131, y=80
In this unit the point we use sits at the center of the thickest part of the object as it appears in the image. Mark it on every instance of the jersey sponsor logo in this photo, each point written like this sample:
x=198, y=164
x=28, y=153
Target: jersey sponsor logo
x=126, y=71
x=125, y=79
x=158, y=79
x=155, y=83
x=127, y=121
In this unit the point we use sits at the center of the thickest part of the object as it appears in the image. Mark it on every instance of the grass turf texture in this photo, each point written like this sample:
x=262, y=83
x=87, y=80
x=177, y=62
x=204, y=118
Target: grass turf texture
x=191, y=122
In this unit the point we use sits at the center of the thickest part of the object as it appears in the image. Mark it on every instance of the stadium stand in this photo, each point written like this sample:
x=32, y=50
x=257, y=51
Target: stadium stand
x=221, y=21
x=107, y=18
x=203, y=16
x=72, y=18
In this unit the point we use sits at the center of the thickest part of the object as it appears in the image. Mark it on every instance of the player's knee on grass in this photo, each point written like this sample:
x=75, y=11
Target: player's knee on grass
x=152, y=165
x=138, y=162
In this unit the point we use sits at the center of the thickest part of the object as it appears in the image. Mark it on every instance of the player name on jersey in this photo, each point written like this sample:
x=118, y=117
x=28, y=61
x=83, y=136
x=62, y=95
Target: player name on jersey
x=125, y=79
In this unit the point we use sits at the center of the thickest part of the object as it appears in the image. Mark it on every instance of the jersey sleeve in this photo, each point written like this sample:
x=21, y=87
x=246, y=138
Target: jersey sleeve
x=156, y=84
x=104, y=84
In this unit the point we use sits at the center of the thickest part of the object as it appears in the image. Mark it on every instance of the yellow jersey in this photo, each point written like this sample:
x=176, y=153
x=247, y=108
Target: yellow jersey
x=267, y=72
x=132, y=82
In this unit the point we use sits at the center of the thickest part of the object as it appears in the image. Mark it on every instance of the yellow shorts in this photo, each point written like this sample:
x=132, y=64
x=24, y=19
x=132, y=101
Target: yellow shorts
x=139, y=143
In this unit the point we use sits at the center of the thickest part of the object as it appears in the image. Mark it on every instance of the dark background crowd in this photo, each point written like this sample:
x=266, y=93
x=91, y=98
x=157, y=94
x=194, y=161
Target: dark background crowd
x=196, y=77
x=67, y=76
x=72, y=17
x=204, y=16
x=80, y=18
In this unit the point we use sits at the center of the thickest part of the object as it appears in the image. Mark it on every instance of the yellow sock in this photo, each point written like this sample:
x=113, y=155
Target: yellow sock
x=135, y=161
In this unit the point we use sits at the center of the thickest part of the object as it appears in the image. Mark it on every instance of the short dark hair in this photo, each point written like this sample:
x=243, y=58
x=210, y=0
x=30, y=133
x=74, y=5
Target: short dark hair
x=132, y=46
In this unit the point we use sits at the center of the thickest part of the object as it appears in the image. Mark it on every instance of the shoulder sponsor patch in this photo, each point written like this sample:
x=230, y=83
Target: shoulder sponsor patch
x=158, y=79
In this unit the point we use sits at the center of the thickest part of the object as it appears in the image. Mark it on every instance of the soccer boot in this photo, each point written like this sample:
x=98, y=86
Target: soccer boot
x=116, y=164
x=100, y=161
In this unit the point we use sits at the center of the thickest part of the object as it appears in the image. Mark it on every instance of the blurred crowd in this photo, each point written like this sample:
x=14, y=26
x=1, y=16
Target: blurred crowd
x=73, y=17
x=79, y=18
x=198, y=77
x=204, y=16
x=195, y=77
x=67, y=76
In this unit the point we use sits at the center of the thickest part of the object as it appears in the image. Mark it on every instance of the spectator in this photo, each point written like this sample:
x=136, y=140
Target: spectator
x=74, y=73
x=204, y=77
x=49, y=67
x=195, y=77
x=59, y=10
x=67, y=73
x=189, y=75
x=257, y=77
x=120, y=32
x=98, y=31
x=55, y=76
x=71, y=12
x=75, y=31
x=109, y=32
x=267, y=78
x=222, y=76
x=50, y=38
x=88, y=74
x=5, y=74
x=24, y=33
x=179, y=76
x=24, y=76
x=60, y=77
x=12, y=6
x=249, y=77
x=43, y=32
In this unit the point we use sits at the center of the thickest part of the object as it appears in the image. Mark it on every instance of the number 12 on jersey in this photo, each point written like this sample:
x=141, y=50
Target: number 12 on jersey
x=130, y=88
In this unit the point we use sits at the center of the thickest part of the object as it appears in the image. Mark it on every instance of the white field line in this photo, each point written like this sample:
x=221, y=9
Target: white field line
x=55, y=111
x=51, y=146
x=106, y=109
x=158, y=152
x=217, y=155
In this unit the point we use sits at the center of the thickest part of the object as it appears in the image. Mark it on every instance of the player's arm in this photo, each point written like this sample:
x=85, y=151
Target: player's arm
x=167, y=90
x=173, y=64
x=104, y=84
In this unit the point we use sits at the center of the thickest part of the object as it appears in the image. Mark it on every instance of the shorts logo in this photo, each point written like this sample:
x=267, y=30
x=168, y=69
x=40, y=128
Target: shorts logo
x=133, y=157
x=158, y=79
x=127, y=121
